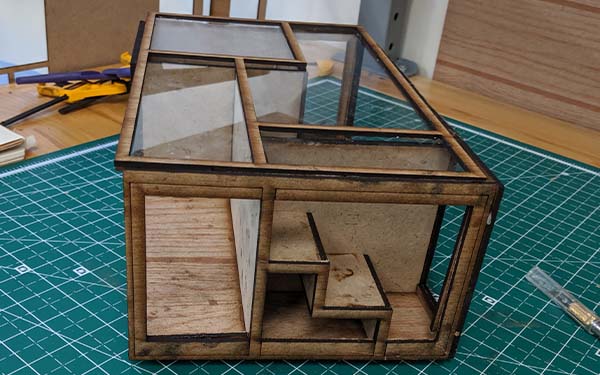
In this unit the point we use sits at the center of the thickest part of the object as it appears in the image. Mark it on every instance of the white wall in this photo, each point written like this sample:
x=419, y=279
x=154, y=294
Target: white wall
x=336, y=11
x=423, y=33
x=22, y=31
x=176, y=6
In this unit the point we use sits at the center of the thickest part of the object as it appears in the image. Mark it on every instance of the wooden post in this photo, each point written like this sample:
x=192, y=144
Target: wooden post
x=350, y=81
x=262, y=9
x=198, y=7
x=220, y=8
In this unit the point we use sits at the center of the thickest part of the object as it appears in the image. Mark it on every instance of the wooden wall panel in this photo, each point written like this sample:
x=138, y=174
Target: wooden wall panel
x=543, y=55
x=84, y=34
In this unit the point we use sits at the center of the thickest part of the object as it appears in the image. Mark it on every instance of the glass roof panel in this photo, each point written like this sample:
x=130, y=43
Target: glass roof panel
x=345, y=84
x=218, y=37
x=191, y=111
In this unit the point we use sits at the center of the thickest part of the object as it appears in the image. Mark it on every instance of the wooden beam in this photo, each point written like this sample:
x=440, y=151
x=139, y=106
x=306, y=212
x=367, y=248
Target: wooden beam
x=220, y=8
x=198, y=7
x=470, y=163
x=409, y=133
x=350, y=81
x=135, y=93
x=293, y=42
x=262, y=9
x=265, y=60
x=258, y=152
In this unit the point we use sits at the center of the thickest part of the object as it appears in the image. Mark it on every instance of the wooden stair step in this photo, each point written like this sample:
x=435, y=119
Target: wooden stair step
x=349, y=289
x=295, y=243
x=352, y=283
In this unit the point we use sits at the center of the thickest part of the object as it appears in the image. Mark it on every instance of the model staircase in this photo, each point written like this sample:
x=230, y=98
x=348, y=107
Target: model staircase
x=337, y=286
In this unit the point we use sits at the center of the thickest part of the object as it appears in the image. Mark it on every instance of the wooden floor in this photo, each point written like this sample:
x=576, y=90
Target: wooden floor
x=191, y=268
x=287, y=317
x=409, y=319
x=54, y=131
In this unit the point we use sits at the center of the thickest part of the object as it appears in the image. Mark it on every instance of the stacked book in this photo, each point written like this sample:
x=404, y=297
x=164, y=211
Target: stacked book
x=12, y=146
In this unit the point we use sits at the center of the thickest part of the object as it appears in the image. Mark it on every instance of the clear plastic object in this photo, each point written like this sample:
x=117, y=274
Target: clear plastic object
x=565, y=300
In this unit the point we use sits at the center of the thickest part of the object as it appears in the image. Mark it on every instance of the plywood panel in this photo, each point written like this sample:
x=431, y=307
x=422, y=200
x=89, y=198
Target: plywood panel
x=395, y=236
x=81, y=34
x=542, y=55
x=350, y=283
x=410, y=318
x=191, y=268
x=292, y=238
x=388, y=156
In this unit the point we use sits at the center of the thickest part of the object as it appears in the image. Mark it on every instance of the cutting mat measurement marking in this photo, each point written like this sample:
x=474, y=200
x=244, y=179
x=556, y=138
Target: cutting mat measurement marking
x=62, y=273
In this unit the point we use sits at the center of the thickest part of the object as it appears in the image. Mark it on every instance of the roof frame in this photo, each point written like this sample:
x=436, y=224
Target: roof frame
x=474, y=168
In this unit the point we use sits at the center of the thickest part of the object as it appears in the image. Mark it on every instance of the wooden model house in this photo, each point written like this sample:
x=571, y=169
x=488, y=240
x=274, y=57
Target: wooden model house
x=285, y=193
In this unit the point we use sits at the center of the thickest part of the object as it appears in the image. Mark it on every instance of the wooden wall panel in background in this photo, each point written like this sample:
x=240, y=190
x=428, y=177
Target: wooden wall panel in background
x=82, y=34
x=543, y=55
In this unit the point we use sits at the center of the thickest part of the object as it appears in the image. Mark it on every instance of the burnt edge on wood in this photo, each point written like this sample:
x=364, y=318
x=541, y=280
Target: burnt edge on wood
x=461, y=186
x=208, y=337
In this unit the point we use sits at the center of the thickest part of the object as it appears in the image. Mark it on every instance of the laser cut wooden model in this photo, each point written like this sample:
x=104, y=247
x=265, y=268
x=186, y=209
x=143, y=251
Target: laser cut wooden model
x=289, y=194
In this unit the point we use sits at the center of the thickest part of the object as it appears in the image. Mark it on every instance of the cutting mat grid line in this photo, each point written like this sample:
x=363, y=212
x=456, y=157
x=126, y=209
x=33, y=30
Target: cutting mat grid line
x=62, y=267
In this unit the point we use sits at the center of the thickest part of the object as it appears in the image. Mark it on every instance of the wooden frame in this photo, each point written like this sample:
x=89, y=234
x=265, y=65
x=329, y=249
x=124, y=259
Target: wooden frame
x=317, y=228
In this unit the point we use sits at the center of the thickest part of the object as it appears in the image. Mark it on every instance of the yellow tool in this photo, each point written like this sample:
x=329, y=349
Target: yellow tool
x=125, y=58
x=80, y=91
x=89, y=87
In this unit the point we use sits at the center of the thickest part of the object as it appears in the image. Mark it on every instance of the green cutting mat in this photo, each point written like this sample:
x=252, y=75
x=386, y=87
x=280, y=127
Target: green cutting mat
x=62, y=266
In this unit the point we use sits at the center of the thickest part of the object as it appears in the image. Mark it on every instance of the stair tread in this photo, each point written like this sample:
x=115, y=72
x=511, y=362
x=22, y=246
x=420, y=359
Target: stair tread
x=292, y=238
x=351, y=283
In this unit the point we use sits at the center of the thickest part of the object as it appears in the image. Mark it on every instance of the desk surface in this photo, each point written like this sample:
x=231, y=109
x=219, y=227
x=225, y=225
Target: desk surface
x=54, y=131
x=63, y=284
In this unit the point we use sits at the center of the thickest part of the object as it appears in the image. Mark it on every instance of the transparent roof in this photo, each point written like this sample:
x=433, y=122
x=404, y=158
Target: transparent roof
x=222, y=38
x=300, y=95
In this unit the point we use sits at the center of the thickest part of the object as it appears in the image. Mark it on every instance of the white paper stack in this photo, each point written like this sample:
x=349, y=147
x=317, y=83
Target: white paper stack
x=12, y=146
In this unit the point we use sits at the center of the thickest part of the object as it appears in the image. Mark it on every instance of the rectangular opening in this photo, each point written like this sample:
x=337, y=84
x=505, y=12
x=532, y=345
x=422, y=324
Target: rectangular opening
x=202, y=99
x=378, y=255
x=200, y=262
x=220, y=37
x=357, y=150
x=419, y=314
x=287, y=317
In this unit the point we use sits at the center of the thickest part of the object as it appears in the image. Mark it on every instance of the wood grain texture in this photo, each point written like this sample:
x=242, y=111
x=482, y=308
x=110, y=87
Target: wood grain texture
x=287, y=316
x=351, y=284
x=410, y=319
x=538, y=54
x=373, y=229
x=191, y=267
x=231, y=185
x=292, y=239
